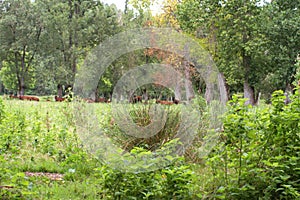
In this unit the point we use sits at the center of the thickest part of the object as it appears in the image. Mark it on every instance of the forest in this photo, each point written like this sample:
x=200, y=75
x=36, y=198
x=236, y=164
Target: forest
x=198, y=101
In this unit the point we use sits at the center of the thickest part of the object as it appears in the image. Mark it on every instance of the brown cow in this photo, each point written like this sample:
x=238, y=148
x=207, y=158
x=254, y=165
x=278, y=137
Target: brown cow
x=137, y=99
x=176, y=101
x=59, y=99
x=13, y=96
x=165, y=102
x=88, y=100
x=29, y=98
x=101, y=100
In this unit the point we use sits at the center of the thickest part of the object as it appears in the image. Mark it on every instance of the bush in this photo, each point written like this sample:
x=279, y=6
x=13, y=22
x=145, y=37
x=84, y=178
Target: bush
x=258, y=156
x=140, y=115
x=172, y=182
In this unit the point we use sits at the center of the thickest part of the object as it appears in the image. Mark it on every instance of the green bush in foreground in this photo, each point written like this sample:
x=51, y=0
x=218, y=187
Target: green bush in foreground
x=258, y=156
x=172, y=182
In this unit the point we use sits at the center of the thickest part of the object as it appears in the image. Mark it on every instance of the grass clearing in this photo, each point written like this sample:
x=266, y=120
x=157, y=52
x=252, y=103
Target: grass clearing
x=40, y=138
x=43, y=156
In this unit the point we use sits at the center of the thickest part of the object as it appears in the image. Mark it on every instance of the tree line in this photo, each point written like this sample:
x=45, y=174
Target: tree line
x=255, y=45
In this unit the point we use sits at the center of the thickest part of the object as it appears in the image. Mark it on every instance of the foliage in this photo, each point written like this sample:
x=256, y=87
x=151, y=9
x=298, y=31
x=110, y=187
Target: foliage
x=20, y=31
x=258, y=156
x=168, y=17
x=255, y=45
x=39, y=137
x=59, y=34
x=72, y=29
x=281, y=28
x=43, y=44
x=140, y=115
x=172, y=182
x=297, y=75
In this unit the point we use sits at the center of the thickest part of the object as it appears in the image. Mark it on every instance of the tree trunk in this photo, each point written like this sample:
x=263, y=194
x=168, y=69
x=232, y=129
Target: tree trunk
x=258, y=99
x=188, y=84
x=145, y=95
x=126, y=6
x=208, y=92
x=59, y=90
x=287, y=92
x=209, y=85
x=249, y=93
x=246, y=59
x=21, y=86
x=22, y=73
x=222, y=88
x=177, y=92
x=2, y=88
x=130, y=95
x=160, y=96
x=96, y=93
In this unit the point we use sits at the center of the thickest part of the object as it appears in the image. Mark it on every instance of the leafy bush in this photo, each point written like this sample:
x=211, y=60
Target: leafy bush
x=172, y=182
x=258, y=156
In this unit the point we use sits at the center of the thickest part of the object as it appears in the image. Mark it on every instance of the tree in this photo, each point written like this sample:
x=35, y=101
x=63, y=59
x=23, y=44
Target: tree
x=201, y=20
x=241, y=43
x=137, y=17
x=282, y=31
x=20, y=32
x=233, y=34
x=73, y=28
x=168, y=19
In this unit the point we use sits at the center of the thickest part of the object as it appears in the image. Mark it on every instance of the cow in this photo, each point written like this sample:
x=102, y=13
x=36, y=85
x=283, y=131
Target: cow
x=175, y=101
x=101, y=100
x=88, y=100
x=59, y=99
x=164, y=102
x=137, y=99
x=29, y=98
x=13, y=96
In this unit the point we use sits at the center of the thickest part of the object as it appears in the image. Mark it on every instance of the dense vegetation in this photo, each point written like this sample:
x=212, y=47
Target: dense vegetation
x=44, y=153
x=44, y=43
x=257, y=157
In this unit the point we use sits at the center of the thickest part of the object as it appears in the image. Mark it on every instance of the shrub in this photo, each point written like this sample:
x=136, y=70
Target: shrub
x=140, y=115
x=258, y=155
x=172, y=182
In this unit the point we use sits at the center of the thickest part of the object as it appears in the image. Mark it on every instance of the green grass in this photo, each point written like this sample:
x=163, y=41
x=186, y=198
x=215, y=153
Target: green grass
x=43, y=137
x=256, y=156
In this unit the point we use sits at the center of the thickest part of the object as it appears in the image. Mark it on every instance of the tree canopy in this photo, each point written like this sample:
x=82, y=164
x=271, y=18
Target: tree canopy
x=44, y=43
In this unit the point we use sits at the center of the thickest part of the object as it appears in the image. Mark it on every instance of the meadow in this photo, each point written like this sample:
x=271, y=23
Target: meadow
x=42, y=156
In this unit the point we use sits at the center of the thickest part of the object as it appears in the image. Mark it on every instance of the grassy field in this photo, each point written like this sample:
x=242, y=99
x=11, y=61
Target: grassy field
x=45, y=154
x=43, y=157
x=39, y=137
